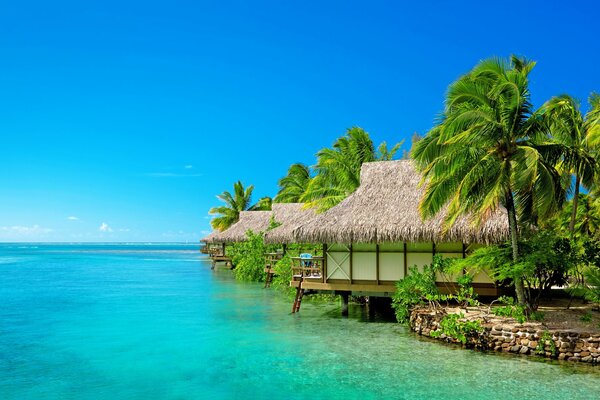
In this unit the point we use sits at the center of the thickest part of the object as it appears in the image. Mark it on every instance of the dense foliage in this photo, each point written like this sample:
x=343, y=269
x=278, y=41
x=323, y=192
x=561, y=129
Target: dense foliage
x=546, y=261
x=412, y=291
x=491, y=149
x=249, y=257
x=337, y=172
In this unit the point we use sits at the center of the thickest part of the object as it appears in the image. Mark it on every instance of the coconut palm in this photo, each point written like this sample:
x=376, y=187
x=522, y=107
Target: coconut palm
x=385, y=154
x=338, y=168
x=294, y=184
x=264, y=204
x=593, y=120
x=571, y=130
x=487, y=151
x=230, y=212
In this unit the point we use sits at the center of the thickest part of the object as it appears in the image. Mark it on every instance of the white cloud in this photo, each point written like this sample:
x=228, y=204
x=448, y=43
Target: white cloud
x=72, y=218
x=188, y=166
x=171, y=175
x=105, y=228
x=20, y=231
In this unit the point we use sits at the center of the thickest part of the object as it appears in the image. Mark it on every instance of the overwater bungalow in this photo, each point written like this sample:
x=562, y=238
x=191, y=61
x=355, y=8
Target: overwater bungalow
x=287, y=216
x=256, y=221
x=372, y=237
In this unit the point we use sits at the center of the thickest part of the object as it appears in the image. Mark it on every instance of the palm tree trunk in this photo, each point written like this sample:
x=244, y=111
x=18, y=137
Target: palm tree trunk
x=514, y=239
x=575, y=203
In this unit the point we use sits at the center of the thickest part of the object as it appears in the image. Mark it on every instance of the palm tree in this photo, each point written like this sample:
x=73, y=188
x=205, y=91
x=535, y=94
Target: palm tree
x=294, y=184
x=338, y=168
x=571, y=131
x=593, y=119
x=230, y=212
x=385, y=154
x=264, y=204
x=486, y=151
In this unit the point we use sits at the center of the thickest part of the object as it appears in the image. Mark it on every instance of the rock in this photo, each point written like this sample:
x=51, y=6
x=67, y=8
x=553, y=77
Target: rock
x=524, y=350
x=587, y=359
x=533, y=344
x=515, y=349
x=584, y=353
x=575, y=359
x=505, y=345
x=525, y=342
x=562, y=356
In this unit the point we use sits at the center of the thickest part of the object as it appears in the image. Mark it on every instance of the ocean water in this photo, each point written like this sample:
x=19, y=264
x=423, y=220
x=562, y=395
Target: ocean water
x=154, y=322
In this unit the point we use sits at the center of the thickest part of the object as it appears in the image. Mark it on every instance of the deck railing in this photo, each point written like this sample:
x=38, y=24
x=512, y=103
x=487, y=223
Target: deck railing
x=307, y=268
x=271, y=259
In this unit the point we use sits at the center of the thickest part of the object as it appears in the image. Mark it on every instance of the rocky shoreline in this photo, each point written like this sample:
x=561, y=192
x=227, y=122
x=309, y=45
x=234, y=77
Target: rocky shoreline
x=525, y=339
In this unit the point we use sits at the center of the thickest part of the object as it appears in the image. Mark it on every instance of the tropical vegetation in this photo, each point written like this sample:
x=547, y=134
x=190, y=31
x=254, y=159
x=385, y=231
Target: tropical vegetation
x=240, y=200
x=489, y=150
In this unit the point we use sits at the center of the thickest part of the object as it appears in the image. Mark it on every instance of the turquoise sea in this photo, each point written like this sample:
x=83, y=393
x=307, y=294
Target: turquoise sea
x=154, y=322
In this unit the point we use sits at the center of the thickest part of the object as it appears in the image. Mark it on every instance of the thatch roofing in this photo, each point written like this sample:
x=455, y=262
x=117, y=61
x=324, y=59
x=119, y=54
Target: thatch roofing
x=256, y=221
x=385, y=209
x=290, y=216
x=209, y=237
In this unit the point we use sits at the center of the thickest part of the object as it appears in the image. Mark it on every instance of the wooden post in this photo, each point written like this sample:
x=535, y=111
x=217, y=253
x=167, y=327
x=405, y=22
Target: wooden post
x=350, y=269
x=405, y=261
x=324, y=266
x=345, y=296
x=377, y=263
x=433, y=248
x=464, y=251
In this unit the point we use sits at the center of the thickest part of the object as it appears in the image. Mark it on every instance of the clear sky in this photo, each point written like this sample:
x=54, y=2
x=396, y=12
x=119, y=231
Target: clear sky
x=121, y=120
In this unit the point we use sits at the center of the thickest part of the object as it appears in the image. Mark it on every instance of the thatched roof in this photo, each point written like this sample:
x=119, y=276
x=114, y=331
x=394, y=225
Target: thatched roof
x=385, y=209
x=209, y=238
x=256, y=221
x=290, y=216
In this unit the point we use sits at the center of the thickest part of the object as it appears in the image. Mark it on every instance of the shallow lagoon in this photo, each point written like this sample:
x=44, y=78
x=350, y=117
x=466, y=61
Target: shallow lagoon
x=154, y=322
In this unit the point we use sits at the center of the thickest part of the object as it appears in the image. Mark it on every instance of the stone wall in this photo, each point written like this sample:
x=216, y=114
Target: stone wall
x=523, y=339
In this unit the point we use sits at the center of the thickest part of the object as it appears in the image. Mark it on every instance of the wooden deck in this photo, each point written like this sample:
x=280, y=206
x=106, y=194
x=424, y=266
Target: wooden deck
x=270, y=261
x=221, y=261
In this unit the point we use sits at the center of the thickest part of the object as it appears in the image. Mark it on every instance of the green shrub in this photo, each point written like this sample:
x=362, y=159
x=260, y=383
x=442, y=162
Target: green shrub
x=249, y=258
x=591, y=289
x=466, y=295
x=545, y=340
x=587, y=317
x=537, y=316
x=452, y=326
x=510, y=309
x=283, y=275
x=416, y=288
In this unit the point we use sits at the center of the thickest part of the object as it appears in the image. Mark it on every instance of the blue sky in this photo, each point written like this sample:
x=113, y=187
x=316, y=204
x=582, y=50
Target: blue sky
x=121, y=121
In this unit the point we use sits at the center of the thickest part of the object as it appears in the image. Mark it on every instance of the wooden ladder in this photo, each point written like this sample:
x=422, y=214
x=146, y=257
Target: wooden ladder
x=268, y=279
x=298, y=299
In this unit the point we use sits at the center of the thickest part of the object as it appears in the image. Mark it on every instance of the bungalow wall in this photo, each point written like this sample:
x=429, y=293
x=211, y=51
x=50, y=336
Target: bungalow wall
x=386, y=263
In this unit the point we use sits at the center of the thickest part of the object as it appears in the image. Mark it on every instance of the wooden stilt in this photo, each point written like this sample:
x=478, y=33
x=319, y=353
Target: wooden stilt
x=298, y=299
x=345, y=296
